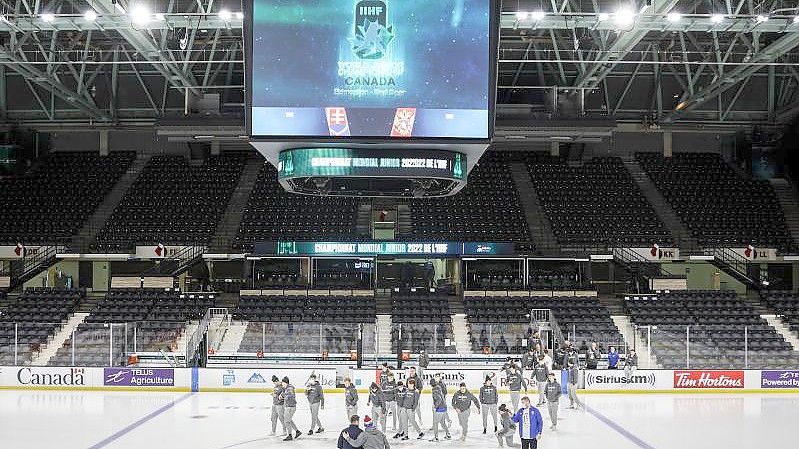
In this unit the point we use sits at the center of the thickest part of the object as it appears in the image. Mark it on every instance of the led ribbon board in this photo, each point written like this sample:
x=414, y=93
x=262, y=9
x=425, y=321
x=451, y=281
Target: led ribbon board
x=308, y=162
x=385, y=248
x=387, y=69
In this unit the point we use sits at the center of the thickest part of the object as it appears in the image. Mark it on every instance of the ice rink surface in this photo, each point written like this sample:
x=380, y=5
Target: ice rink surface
x=122, y=420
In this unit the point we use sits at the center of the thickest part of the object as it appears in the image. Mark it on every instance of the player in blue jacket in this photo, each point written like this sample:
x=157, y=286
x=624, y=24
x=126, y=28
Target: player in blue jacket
x=530, y=423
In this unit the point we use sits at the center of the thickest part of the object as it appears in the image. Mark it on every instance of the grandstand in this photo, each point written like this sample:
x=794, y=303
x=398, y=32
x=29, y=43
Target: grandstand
x=199, y=196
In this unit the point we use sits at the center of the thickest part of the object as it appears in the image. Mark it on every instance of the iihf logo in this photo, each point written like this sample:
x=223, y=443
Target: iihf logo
x=372, y=32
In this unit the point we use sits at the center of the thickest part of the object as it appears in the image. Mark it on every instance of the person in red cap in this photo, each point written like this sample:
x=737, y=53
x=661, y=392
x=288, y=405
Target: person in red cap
x=371, y=438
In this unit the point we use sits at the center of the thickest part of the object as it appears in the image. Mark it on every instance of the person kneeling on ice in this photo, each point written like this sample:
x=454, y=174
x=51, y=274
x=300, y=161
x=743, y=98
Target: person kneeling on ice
x=353, y=431
x=350, y=397
x=530, y=424
x=552, y=391
x=462, y=402
x=316, y=399
x=371, y=438
x=508, y=428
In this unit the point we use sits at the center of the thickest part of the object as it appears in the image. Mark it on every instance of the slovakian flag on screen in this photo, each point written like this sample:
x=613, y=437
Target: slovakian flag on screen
x=403, y=122
x=337, y=123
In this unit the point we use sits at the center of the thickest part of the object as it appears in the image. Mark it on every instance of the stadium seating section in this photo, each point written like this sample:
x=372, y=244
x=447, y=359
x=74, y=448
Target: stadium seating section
x=785, y=304
x=273, y=214
x=500, y=323
x=420, y=320
x=154, y=319
x=51, y=201
x=719, y=327
x=486, y=210
x=174, y=201
x=37, y=315
x=594, y=204
x=719, y=206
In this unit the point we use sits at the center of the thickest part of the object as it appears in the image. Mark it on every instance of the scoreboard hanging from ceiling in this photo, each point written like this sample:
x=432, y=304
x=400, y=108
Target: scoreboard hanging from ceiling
x=371, y=74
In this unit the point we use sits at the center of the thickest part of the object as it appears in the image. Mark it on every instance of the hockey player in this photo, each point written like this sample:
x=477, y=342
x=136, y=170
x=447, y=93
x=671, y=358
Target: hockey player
x=552, y=392
x=370, y=438
x=462, y=401
x=574, y=376
x=350, y=397
x=278, y=411
x=289, y=407
x=417, y=380
x=540, y=372
x=316, y=399
x=439, y=410
x=508, y=428
x=488, y=401
x=378, y=402
x=515, y=382
x=407, y=399
x=389, y=387
x=436, y=380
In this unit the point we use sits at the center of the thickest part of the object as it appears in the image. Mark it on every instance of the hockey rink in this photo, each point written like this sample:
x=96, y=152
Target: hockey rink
x=70, y=419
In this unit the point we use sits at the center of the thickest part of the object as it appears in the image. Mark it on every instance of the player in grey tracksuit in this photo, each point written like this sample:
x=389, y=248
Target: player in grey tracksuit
x=439, y=410
x=350, y=398
x=316, y=399
x=462, y=401
x=488, y=400
x=552, y=392
x=413, y=376
x=540, y=371
x=378, y=402
x=574, y=376
x=436, y=380
x=407, y=400
x=289, y=407
x=508, y=428
x=389, y=387
x=278, y=411
x=515, y=383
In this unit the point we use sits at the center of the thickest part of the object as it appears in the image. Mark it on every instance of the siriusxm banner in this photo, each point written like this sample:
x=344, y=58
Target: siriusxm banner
x=371, y=68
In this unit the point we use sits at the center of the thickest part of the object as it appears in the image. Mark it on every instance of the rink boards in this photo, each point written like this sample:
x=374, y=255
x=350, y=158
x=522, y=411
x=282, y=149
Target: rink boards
x=259, y=379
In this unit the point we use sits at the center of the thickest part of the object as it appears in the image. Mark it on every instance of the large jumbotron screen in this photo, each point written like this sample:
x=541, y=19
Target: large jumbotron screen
x=390, y=69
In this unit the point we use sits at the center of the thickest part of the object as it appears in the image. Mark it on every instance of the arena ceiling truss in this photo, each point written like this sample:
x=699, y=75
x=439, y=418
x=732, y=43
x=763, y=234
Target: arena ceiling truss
x=659, y=61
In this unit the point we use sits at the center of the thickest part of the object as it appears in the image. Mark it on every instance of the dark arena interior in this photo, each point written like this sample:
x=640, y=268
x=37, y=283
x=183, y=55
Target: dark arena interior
x=385, y=223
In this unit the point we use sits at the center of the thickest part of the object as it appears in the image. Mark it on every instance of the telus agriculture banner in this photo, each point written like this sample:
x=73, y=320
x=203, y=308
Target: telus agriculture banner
x=139, y=377
x=779, y=379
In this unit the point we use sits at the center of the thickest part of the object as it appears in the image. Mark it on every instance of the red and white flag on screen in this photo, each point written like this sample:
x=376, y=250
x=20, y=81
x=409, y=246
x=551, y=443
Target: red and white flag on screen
x=403, y=122
x=337, y=123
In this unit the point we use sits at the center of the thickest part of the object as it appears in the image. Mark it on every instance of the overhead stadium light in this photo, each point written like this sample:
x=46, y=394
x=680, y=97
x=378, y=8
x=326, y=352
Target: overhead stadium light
x=521, y=15
x=761, y=18
x=140, y=15
x=225, y=15
x=625, y=16
x=160, y=17
x=90, y=15
x=538, y=15
x=239, y=15
x=717, y=18
x=673, y=17
x=796, y=19
x=47, y=17
x=603, y=16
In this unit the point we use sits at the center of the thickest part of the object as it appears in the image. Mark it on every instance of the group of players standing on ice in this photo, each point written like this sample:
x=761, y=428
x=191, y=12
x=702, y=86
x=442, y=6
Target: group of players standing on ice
x=401, y=402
